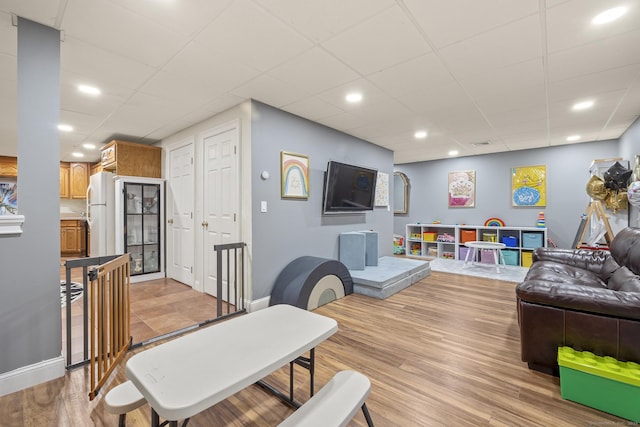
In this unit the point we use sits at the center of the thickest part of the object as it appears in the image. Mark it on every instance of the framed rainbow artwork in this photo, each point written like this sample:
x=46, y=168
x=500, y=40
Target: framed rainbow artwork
x=294, y=174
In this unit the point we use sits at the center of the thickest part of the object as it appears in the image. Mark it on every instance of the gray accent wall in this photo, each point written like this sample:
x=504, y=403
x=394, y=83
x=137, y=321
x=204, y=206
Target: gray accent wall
x=29, y=290
x=567, y=176
x=292, y=228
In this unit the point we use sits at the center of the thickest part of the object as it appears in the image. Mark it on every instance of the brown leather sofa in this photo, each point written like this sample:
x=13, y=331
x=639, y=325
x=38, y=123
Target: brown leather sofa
x=584, y=299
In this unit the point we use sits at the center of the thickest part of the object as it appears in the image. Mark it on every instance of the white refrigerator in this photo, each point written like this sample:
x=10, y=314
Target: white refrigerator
x=101, y=214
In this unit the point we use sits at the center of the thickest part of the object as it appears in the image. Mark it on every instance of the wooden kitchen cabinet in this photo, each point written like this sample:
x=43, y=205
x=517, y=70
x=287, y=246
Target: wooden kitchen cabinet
x=74, y=180
x=131, y=159
x=64, y=180
x=8, y=167
x=78, y=180
x=72, y=238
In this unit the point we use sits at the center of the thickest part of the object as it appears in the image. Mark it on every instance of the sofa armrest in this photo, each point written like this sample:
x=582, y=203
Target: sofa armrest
x=599, y=262
x=581, y=298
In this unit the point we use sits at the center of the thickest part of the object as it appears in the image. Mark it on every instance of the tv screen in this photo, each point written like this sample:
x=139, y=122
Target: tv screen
x=348, y=188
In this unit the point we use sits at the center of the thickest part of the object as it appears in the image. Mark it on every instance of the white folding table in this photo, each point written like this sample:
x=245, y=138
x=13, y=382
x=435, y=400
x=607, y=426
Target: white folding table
x=189, y=374
x=494, y=247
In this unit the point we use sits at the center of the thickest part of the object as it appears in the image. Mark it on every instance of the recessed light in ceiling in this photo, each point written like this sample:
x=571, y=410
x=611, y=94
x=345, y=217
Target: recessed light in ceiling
x=573, y=138
x=65, y=128
x=582, y=105
x=77, y=154
x=421, y=134
x=453, y=152
x=89, y=146
x=354, y=97
x=609, y=15
x=90, y=90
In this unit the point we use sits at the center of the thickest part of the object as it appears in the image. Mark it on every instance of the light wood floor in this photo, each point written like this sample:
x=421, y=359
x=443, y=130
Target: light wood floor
x=444, y=352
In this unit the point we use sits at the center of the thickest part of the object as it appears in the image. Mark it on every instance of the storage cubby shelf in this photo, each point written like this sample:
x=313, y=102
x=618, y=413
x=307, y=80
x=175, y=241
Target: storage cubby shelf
x=447, y=241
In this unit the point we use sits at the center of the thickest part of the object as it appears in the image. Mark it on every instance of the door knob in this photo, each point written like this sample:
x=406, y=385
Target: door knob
x=170, y=221
x=205, y=224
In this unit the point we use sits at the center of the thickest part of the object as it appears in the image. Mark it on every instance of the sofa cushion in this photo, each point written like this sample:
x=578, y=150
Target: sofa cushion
x=555, y=272
x=625, y=248
x=624, y=280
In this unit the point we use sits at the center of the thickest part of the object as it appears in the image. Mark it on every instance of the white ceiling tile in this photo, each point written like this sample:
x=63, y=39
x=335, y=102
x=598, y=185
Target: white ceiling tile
x=345, y=121
x=252, y=36
x=378, y=43
x=321, y=20
x=185, y=18
x=510, y=44
x=569, y=24
x=268, y=90
x=613, y=52
x=589, y=85
x=113, y=28
x=415, y=75
x=448, y=22
x=42, y=12
x=303, y=71
x=8, y=35
x=312, y=108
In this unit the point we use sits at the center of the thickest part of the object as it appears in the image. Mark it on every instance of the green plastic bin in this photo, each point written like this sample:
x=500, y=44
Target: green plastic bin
x=603, y=383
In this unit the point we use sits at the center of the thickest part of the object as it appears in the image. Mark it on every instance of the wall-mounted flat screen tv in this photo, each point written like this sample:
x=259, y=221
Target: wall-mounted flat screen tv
x=348, y=188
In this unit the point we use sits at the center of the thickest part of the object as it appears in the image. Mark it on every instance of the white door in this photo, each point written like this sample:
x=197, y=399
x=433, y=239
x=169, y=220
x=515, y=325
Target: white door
x=180, y=221
x=220, y=203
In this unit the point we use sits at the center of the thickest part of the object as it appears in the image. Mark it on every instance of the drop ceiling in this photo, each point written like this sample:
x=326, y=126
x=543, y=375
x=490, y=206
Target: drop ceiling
x=466, y=71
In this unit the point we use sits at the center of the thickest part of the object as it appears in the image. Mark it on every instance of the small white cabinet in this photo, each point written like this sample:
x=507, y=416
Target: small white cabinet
x=447, y=241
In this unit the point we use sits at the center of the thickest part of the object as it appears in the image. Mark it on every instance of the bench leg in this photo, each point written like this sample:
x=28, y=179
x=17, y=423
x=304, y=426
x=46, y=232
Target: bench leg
x=367, y=416
x=122, y=420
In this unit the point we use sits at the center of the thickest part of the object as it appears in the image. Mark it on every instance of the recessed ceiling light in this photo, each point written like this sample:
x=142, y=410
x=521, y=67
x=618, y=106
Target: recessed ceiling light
x=65, y=128
x=573, y=138
x=582, y=105
x=77, y=154
x=609, y=15
x=89, y=146
x=421, y=134
x=354, y=97
x=453, y=152
x=90, y=90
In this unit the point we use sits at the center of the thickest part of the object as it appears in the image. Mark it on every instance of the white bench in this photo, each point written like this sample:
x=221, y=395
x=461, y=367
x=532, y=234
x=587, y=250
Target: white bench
x=123, y=398
x=335, y=404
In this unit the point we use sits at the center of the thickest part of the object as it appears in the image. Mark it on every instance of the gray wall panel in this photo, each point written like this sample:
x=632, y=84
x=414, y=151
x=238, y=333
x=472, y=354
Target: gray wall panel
x=293, y=228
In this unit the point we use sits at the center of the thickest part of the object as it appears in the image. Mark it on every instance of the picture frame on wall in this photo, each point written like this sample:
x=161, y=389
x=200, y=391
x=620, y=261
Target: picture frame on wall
x=8, y=198
x=461, y=189
x=294, y=174
x=529, y=186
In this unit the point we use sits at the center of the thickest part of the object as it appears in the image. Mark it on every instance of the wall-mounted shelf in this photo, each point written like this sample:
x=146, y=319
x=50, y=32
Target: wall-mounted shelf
x=447, y=241
x=11, y=224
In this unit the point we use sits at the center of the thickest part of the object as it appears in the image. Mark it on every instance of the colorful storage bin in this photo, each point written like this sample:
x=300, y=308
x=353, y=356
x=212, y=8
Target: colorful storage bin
x=489, y=237
x=603, y=383
x=487, y=256
x=462, y=253
x=467, y=236
x=527, y=259
x=510, y=257
x=429, y=236
x=510, y=241
x=531, y=240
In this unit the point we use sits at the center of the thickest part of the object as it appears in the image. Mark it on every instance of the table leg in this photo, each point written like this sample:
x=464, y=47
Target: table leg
x=155, y=418
x=496, y=258
x=466, y=258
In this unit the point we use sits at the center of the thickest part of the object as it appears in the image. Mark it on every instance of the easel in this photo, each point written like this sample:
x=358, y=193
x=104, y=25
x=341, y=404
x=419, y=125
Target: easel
x=595, y=206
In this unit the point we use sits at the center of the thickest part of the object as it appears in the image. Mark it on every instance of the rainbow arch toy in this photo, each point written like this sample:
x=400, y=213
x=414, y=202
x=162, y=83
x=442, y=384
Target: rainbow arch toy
x=494, y=222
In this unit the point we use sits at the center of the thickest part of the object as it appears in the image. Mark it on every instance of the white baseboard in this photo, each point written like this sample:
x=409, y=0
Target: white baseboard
x=29, y=376
x=258, y=304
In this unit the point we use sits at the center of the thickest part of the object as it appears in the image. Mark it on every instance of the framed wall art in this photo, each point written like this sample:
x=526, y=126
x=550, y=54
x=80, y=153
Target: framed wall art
x=294, y=173
x=8, y=198
x=462, y=189
x=529, y=186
